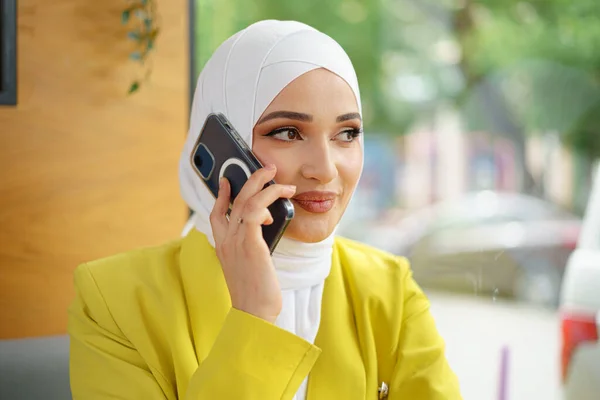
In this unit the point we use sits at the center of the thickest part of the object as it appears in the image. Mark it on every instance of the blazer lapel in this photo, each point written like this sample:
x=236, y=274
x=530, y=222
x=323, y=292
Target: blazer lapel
x=339, y=372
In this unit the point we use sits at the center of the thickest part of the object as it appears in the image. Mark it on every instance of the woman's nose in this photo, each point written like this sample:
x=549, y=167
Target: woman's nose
x=320, y=163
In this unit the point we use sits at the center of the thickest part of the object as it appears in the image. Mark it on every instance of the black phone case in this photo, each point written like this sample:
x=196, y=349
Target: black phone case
x=234, y=160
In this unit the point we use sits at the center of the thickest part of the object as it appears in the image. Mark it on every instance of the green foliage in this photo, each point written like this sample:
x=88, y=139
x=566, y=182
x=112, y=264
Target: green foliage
x=564, y=31
x=548, y=54
x=585, y=135
x=135, y=85
x=143, y=32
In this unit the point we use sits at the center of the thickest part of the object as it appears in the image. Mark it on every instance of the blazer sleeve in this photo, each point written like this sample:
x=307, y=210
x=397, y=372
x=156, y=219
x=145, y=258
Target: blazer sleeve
x=422, y=370
x=251, y=358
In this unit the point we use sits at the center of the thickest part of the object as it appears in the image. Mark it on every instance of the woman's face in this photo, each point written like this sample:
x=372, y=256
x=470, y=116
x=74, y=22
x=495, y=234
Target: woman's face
x=310, y=131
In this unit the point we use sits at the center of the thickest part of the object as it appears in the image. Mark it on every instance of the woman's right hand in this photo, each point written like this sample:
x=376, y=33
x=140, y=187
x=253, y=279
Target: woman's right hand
x=240, y=247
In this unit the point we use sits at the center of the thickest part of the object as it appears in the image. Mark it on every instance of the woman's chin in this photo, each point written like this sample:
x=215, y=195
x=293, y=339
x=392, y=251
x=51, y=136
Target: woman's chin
x=312, y=231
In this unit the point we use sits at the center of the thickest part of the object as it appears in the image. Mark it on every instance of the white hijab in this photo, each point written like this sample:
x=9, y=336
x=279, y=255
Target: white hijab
x=240, y=80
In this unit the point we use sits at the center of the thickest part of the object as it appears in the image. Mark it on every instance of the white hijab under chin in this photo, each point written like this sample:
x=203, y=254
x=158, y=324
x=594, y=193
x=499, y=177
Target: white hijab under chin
x=240, y=80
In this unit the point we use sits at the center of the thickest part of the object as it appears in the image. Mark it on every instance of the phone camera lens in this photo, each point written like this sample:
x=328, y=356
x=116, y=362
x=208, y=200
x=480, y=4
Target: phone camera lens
x=204, y=161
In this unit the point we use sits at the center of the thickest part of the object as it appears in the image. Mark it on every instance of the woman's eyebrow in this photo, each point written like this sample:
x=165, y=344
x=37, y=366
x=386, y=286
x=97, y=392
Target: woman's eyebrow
x=287, y=115
x=305, y=117
x=347, y=117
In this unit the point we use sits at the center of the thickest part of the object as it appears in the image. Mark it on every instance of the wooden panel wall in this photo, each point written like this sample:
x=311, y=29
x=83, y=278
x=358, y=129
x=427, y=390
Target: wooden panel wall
x=85, y=169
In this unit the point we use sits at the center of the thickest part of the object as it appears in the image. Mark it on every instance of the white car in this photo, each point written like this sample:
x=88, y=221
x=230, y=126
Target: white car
x=580, y=308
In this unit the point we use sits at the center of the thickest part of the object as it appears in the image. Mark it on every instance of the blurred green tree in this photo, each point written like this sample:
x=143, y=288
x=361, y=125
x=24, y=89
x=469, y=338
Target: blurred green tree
x=542, y=61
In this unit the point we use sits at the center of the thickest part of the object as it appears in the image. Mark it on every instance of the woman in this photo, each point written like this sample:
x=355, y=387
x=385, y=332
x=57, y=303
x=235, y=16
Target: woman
x=214, y=315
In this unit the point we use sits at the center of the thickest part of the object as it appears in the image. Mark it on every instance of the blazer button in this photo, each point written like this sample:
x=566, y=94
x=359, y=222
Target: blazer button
x=383, y=391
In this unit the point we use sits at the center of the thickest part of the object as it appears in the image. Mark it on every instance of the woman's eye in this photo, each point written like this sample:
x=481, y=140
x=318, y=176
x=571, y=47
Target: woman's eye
x=286, y=134
x=349, y=135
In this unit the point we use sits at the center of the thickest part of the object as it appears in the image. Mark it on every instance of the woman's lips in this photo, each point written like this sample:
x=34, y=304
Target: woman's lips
x=315, y=201
x=315, y=206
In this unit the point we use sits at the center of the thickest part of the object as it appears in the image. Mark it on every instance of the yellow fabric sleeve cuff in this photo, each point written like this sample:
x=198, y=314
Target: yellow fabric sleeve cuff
x=253, y=358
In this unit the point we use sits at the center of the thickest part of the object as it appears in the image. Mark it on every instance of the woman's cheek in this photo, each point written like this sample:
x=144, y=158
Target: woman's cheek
x=281, y=164
x=263, y=156
x=352, y=168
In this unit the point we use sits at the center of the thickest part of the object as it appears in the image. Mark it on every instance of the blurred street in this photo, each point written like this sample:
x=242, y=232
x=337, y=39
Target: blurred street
x=477, y=328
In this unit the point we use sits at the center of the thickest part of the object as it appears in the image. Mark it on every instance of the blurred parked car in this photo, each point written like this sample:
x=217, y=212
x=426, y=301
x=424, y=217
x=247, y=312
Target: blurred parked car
x=503, y=244
x=580, y=308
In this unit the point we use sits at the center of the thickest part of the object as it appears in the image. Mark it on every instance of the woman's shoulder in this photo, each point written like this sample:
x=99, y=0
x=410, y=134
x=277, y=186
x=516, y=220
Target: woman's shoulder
x=135, y=263
x=128, y=277
x=361, y=256
x=371, y=270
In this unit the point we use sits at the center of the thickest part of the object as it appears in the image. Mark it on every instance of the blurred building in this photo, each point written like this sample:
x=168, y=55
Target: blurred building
x=437, y=160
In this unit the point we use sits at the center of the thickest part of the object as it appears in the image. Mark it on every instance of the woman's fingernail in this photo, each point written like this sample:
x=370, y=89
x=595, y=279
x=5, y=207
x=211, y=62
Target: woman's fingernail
x=221, y=183
x=270, y=167
x=291, y=188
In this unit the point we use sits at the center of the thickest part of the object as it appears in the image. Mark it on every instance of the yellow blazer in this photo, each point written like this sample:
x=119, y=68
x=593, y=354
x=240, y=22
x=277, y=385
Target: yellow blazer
x=157, y=323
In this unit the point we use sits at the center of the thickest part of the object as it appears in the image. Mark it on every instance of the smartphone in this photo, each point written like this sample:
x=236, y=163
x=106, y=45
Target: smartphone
x=221, y=152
